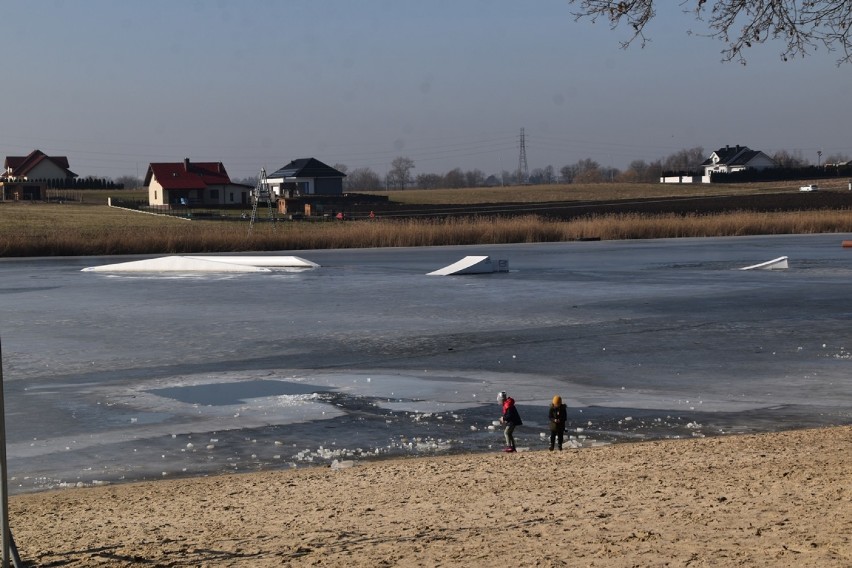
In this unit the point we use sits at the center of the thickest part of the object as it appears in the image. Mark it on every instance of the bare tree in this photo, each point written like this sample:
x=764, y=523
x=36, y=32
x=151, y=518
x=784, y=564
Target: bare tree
x=129, y=182
x=537, y=176
x=363, y=179
x=686, y=160
x=454, y=178
x=786, y=159
x=802, y=26
x=834, y=159
x=474, y=178
x=429, y=181
x=342, y=168
x=588, y=171
x=399, y=175
x=568, y=173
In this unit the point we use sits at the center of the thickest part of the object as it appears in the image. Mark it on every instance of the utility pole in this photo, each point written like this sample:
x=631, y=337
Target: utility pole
x=523, y=170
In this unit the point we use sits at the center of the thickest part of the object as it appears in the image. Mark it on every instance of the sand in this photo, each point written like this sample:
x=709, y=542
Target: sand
x=780, y=499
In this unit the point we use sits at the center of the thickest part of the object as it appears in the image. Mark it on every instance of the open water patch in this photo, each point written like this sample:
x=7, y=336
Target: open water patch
x=224, y=394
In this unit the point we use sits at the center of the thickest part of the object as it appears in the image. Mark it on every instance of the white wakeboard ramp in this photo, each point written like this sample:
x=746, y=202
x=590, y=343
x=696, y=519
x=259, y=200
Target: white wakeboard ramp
x=473, y=265
x=206, y=264
x=779, y=263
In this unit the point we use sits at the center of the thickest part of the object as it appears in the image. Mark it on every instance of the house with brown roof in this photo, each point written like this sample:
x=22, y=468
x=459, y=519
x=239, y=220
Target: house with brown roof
x=193, y=183
x=27, y=177
x=37, y=166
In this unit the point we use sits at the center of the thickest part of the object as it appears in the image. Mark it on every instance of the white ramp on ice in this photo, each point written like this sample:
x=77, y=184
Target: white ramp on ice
x=271, y=261
x=473, y=265
x=175, y=264
x=779, y=263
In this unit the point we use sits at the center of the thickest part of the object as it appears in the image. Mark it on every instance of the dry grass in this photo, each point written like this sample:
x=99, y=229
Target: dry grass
x=55, y=230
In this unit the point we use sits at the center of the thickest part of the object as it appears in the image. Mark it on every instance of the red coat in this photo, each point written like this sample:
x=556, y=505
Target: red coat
x=510, y=412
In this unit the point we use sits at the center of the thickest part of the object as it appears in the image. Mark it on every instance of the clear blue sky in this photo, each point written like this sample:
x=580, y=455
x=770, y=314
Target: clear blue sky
x=447, y=83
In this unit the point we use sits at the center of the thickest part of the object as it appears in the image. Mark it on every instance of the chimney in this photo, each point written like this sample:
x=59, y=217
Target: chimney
x=186, y=164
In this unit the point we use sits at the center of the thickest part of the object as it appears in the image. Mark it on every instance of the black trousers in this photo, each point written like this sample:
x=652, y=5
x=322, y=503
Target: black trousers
x=556, y=436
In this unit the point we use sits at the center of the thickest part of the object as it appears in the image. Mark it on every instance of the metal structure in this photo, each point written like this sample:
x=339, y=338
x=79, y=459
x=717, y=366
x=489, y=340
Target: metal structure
x=260, y=193
x=523, y=170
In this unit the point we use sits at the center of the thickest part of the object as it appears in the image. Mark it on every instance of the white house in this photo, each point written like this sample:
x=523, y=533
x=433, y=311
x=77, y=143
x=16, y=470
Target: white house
x=306, y=176
x=725, y=160
x=193, y=183
x=735, y=158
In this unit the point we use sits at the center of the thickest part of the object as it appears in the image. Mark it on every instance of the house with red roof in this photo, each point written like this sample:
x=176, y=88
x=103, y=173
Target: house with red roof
x=37, y=166
x=193, y=183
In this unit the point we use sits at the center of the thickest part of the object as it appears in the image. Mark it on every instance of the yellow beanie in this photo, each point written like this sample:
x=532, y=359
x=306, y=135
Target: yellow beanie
x=557, y=400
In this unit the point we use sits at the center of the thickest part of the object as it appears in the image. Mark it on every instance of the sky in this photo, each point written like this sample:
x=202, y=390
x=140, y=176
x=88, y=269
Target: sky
x=447, y=83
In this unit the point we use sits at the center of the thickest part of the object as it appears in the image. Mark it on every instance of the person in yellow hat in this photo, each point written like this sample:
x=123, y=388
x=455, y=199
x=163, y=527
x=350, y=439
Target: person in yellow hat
x=558, y=416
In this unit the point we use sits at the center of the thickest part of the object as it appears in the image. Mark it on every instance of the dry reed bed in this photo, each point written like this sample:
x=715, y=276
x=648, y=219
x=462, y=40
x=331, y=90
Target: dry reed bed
x=115, y=232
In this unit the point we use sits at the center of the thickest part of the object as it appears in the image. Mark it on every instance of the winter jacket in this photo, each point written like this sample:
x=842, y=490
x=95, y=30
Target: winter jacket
x=510, y=412
x=558, y=415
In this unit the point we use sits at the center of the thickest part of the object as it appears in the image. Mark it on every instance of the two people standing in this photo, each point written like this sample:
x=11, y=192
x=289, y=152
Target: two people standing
x=511, y=418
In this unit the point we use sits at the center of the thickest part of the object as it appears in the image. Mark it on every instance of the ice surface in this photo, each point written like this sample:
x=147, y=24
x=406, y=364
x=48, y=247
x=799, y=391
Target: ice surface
x=118, y=377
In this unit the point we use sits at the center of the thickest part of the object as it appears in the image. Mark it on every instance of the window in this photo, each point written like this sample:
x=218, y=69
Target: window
x=214, y=194
x=231, y=197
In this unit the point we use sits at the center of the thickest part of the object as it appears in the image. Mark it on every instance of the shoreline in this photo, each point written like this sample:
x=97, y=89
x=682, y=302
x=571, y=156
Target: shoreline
x=769, y=499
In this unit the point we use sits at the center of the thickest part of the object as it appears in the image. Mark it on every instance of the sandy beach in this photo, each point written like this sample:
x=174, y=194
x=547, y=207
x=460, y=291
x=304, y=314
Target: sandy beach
x=780, y=499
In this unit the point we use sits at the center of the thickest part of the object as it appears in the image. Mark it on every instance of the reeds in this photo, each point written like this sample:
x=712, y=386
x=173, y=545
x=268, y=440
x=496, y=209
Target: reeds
x=115, y=232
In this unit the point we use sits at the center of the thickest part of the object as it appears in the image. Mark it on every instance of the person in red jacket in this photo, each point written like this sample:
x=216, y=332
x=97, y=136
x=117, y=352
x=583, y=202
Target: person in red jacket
x=510, y=419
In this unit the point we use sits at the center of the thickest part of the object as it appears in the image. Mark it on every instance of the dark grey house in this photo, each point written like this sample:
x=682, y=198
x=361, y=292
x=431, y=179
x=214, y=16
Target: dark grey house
x=306, y=176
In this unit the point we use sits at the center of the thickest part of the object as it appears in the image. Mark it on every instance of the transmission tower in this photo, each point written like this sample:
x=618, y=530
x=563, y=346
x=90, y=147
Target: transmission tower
x=523, y=170
x=260, y=193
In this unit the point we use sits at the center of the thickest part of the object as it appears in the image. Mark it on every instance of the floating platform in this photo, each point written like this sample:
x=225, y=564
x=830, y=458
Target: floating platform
x=779, y=263
x=188, y=264
x=473, y=265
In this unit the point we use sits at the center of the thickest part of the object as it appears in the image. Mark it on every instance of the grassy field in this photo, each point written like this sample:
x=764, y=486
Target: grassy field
x=89, y=227
x=591, y=192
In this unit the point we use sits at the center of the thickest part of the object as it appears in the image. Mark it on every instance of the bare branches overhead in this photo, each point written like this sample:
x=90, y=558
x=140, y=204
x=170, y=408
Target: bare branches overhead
x=802, y=27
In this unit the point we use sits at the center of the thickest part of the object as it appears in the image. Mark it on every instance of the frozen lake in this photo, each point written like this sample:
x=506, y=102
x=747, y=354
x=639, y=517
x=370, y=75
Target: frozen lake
x=128, y=377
